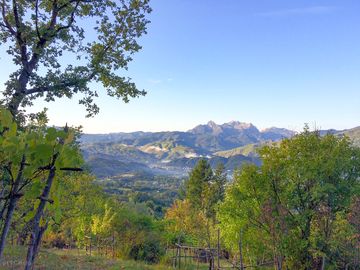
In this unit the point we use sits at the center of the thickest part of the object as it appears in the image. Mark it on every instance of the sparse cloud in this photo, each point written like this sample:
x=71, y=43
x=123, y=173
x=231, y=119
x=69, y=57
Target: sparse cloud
x=298, y=11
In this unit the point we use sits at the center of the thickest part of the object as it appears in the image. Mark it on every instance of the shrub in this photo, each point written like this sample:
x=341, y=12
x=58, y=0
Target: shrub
x=149, y=251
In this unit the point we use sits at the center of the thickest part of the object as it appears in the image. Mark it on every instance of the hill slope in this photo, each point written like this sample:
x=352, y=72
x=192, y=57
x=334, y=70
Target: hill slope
x=176, y=152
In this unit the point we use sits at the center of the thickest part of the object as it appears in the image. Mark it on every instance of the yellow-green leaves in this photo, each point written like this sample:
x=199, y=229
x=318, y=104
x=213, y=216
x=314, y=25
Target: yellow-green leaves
x=5, y=119
x=291, y=203
x=51, y=134
x=41, y=148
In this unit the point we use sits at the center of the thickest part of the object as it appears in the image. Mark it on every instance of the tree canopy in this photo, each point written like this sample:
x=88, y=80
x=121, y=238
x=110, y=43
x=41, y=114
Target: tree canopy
x=98, y=36
x=296, y=207
x=194, y=217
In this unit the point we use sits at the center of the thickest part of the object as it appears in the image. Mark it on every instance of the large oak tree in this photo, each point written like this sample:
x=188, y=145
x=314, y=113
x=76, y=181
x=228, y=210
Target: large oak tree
x=41, y=36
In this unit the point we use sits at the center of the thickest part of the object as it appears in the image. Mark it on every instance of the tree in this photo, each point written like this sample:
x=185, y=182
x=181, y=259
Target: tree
x=214, y=192
x=296, y=200
x=41, y=34
x=195, y=216
x=31, y=160
x=185, y=222
x=199, y=178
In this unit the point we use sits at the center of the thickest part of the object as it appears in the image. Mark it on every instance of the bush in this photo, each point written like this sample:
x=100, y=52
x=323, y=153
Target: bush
x=54, y=241
x=149, y=251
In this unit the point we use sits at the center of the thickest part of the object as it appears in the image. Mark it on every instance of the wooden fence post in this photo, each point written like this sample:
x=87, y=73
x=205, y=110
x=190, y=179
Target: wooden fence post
x=198, y=260
x=185, y=255
x=113, y=245
x=174, y=258
x=218, y=249
x=179, y=252
x=90, y=245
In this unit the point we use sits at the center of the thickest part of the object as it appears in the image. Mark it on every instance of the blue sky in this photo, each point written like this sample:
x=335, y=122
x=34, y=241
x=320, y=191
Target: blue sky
x=270, y=62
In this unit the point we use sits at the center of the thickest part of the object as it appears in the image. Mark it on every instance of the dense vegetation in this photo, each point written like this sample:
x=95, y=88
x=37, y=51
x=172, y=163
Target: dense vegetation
x=46, y=197
x=298, y=210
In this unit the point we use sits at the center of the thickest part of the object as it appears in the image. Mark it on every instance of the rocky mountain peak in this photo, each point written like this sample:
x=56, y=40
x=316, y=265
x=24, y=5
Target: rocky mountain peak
x=240, y=125
x=212, y=124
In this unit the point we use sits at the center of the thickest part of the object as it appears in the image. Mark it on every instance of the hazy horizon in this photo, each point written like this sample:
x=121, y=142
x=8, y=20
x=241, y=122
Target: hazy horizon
x=313, y=126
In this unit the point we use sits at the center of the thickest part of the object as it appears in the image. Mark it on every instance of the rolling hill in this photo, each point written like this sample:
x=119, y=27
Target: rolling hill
x=175, y=153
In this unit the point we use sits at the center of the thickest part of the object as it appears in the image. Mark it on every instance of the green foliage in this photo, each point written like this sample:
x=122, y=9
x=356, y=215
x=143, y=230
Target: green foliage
x=199, y=178
x=31, y=160
x=37, y=34
x=247, y=150
x=291, y=207
x=35, y=147
x=141, y=235
x=193, y=219
x=186, y=224
x=94, y=216
x=205, y=188
x=149, y=251
x=158, y=192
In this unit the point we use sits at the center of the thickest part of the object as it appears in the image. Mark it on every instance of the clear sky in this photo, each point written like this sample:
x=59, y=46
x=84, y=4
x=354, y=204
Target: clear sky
x=270, y=62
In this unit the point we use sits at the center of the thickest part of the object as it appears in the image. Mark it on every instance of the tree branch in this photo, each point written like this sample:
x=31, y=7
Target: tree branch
x=16, y=16
x=37, y=19
x=64, y=84
x=20, y=40
x=7, y=24
x=42, y=41
x=43, y=89
x=71, y=20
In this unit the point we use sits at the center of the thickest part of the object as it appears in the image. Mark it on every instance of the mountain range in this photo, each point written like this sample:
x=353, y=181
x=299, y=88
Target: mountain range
x=175, y=153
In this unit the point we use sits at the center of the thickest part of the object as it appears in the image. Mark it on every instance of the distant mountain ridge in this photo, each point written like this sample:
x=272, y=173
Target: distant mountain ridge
x=209, y=137
x=175, y=152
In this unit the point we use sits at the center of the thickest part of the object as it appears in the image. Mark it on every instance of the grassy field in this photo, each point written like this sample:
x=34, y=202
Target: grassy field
x=53, y=259
x=50, y=259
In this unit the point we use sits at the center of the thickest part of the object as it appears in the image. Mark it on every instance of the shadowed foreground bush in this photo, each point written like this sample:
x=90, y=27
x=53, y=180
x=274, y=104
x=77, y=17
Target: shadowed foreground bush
x=150, y=251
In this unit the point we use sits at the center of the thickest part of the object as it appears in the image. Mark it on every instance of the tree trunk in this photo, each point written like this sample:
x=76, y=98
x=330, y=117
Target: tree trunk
x=14, y=103
x=35, y=233
x=38, y=241
x=14, y=197
x=279, y=262
x=7, y=223
x=20, y=92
